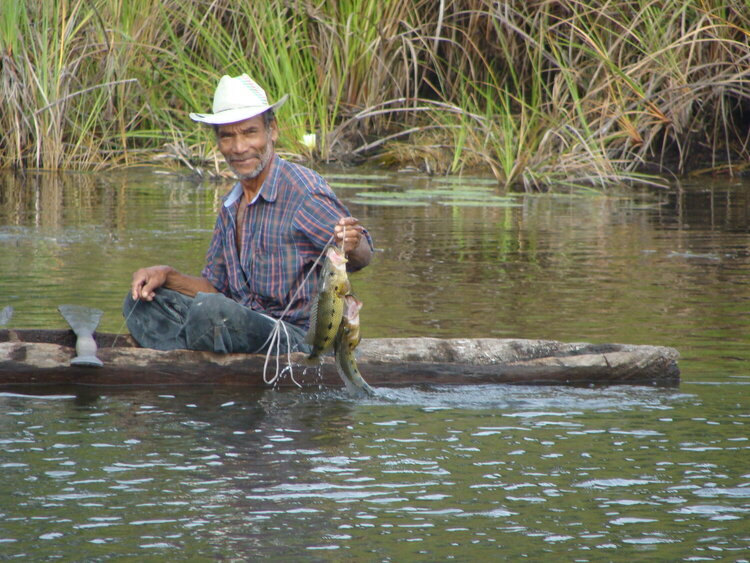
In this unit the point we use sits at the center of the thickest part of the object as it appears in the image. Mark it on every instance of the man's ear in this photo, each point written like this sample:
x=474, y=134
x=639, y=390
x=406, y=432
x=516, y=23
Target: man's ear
x=274, y=131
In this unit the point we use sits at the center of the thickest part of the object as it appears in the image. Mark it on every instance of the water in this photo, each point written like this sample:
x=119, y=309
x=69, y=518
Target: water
x=421, y=473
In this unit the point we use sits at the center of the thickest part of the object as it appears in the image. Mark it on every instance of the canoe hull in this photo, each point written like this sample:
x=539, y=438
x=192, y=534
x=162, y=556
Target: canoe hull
x=38, y=357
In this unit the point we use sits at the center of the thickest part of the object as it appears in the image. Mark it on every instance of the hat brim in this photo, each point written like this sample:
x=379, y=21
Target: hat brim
x=236, y=114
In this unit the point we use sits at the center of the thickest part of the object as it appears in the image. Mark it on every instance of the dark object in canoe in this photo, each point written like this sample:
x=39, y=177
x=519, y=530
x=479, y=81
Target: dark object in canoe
x=44, y=357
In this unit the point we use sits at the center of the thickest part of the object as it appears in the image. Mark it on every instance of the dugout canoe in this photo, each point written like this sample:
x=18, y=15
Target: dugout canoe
x=43, y=357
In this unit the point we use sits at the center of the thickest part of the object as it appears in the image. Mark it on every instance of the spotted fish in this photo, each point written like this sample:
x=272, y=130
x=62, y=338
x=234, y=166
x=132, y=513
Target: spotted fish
x=347, y=340
x=328, y=307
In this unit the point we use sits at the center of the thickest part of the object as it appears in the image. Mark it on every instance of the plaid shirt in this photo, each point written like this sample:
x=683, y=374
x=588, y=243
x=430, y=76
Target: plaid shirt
x=285, y=230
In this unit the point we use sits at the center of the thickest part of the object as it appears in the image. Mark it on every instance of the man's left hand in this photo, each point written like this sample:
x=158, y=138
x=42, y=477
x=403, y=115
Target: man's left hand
x=350, y=231
x=356, y=246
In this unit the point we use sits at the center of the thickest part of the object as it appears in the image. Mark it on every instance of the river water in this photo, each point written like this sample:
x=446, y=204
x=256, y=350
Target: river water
x=423, y=473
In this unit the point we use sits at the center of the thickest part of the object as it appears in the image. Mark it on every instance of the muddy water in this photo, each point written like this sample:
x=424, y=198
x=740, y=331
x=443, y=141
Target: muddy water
x=616, y=473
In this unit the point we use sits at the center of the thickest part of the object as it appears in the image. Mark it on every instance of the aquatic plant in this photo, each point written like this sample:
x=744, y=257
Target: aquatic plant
x=539, y=93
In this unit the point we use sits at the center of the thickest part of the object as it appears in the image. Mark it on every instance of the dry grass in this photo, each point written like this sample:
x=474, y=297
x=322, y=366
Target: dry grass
x=541, y=93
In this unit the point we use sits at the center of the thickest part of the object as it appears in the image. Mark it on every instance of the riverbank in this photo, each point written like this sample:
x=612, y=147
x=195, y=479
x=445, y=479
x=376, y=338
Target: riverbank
x=538, y=94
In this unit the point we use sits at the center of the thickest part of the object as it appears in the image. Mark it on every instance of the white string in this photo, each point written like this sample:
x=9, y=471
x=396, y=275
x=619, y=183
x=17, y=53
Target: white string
x=275, y=340
x=275, y=337
x=122, y=326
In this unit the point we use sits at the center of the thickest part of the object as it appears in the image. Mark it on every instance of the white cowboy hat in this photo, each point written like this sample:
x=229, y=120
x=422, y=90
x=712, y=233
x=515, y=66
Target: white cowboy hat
x=236, y=99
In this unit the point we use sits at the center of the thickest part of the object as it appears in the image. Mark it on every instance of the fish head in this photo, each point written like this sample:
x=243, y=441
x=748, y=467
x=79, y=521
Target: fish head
x=334, y=273
x=336, y=256
x=352, y=306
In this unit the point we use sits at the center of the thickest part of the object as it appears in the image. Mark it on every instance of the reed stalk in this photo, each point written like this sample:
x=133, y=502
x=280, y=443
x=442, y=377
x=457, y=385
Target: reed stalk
x=539, y=93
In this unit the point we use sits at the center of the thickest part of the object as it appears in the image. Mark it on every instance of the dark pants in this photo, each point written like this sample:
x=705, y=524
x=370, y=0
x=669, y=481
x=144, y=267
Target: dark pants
x=209, y=321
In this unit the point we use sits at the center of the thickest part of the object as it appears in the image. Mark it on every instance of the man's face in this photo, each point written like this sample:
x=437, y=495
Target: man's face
x=247, y=145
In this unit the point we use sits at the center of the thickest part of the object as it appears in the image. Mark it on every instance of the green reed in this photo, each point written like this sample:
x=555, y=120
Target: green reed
x=537, y=93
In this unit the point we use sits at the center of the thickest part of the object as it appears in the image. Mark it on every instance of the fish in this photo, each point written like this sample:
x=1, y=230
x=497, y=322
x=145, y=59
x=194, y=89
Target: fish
x=5, y=315
x=328, y=306
x=346, y=342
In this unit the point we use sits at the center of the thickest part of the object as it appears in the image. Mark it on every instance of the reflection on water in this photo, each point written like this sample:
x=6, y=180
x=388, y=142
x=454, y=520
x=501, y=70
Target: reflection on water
x=77, y=238
x=484, y=472
x=420, y=473
x=533, y=398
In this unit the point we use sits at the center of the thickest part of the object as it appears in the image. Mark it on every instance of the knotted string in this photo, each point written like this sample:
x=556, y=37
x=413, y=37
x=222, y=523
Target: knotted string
x=124, y=322
x=274, y=339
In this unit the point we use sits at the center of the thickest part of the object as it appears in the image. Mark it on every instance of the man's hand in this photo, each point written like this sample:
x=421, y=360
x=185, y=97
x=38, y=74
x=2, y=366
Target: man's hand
x=350, y=232
x=147, y=280
x=355, y=243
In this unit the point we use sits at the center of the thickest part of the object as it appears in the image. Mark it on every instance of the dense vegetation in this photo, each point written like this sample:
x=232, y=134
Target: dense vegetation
x=540, y=92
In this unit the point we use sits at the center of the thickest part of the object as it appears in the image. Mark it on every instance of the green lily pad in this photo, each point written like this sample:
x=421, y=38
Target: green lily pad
x=475, y=203
x=458, y=180
x=355, y=177
x=353, y=186
x=389, y=202
x=449, y=197
x=387, y=195
x=474, y=195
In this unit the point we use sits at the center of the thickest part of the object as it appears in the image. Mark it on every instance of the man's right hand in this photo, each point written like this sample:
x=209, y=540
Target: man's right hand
x=147, y=280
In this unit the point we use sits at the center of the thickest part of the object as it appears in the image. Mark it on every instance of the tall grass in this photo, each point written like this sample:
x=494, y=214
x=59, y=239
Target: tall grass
x=539, y=93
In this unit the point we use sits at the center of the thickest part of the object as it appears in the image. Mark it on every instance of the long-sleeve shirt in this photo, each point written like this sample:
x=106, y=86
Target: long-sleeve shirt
x=285, y=229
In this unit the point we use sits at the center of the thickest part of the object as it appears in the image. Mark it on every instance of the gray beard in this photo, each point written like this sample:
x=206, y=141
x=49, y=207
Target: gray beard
x=265, y=158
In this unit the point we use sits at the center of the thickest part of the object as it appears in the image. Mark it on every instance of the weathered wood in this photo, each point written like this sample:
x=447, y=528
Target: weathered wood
x=43, y=357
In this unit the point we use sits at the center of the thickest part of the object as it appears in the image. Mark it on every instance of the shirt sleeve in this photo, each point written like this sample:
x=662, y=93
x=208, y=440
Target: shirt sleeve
x=215, y=270
x=318, y=216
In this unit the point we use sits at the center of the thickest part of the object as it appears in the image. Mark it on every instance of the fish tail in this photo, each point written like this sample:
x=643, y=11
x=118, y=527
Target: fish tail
x=347, y=368
x=313, y=360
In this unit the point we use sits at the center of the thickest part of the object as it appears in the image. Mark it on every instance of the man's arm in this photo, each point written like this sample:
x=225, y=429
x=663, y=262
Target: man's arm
x=147, y=280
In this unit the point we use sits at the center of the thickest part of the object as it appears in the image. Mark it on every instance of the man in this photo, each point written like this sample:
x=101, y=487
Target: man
x=271, y=228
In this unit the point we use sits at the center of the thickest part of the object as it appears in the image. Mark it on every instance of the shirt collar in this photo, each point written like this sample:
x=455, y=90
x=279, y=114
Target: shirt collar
x=234, y=196
x=268, y=191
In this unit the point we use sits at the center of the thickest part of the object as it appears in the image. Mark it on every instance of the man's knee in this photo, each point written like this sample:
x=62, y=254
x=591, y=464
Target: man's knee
x=214, y=307
x=157, y=324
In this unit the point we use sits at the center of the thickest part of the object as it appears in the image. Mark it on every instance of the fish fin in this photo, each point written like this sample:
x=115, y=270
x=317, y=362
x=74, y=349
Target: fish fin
x=310, y=336
x=313, y=360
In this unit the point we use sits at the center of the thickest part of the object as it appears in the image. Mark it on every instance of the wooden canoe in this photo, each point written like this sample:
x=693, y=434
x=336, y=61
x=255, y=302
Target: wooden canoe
x=33, y=357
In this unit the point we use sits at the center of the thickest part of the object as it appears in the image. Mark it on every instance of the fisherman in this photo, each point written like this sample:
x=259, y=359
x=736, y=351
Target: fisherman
x=272, y=227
